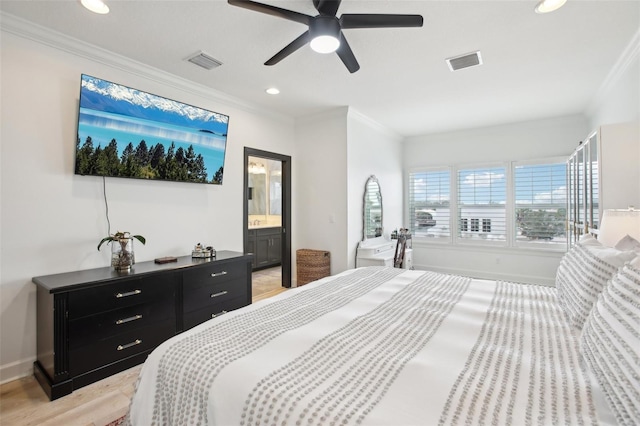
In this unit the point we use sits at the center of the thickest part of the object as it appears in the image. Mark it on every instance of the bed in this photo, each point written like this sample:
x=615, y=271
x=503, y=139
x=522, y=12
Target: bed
x=386, y=346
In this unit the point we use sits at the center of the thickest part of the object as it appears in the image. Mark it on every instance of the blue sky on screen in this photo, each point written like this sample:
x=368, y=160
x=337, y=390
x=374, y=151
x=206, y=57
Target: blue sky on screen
x=105, y=96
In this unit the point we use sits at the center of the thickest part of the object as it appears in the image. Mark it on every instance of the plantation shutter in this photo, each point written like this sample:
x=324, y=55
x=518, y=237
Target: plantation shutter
x=540, y=203
x=429, y=196
x=482, y=195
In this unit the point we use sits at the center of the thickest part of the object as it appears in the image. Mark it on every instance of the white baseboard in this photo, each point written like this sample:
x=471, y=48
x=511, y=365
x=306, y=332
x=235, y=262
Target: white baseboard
x=16, y=370
x=527, y=279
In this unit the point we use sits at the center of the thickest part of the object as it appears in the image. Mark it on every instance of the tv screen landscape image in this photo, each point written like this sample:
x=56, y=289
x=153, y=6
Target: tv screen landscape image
x=124, y=132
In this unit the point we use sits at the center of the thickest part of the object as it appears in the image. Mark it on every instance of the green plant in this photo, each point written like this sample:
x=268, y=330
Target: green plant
x=119, y=236
x=540, y=224
x=122, y=257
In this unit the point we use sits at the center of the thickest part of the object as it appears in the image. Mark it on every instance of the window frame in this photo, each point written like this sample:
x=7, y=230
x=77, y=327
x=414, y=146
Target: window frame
x=561, y=246
x=458, y=240
x=455, y=223
x=452, y=193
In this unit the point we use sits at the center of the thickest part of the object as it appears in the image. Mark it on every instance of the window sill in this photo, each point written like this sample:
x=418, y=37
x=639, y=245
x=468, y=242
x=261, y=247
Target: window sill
x=501, y=248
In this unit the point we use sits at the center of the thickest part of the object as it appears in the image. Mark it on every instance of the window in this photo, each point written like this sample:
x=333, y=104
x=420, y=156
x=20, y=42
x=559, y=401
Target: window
x=519, y=204
x=482, y=193
x=540, y=203
x=429, y=193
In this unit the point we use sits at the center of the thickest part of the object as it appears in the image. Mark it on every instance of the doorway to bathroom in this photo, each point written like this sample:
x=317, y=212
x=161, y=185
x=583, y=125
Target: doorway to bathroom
x=267, y=214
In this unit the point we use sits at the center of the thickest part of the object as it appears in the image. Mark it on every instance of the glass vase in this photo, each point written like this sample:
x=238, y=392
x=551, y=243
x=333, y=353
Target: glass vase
x=122, y=257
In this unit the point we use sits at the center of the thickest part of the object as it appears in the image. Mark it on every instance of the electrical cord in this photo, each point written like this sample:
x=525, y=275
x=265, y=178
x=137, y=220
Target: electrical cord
x=106, y=204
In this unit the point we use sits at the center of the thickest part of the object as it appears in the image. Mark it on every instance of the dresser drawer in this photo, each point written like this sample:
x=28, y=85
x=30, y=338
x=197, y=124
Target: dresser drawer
x=89, y=329
x=103, y=352
x=120, y=294
x=191, y=319
x=211, y=286
x=213, y=274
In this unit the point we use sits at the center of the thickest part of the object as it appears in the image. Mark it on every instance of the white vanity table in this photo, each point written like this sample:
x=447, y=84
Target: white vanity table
x=380, y=251
x=375, y=249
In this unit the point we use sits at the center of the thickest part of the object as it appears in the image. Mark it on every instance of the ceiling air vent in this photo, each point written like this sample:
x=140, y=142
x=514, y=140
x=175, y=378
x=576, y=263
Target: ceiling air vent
x=464, y=61
x=203, y=60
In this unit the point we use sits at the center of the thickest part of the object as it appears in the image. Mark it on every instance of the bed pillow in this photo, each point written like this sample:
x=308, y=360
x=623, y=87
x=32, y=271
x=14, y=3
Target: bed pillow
x=610, y=343
x=628, y=243
x=583, y=273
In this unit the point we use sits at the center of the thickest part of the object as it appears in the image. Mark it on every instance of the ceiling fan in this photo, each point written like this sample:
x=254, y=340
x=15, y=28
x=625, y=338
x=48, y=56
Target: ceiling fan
x=325, y=30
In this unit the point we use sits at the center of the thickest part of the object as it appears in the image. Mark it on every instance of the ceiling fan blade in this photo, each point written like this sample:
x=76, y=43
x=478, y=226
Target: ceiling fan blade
x=327, y=7
x=346, y=54
x=366, y=20
x=273, y=11
x=289, y=49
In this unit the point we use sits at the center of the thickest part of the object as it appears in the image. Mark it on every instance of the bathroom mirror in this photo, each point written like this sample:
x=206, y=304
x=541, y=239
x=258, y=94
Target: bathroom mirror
x=372, y=217
x=257, y=192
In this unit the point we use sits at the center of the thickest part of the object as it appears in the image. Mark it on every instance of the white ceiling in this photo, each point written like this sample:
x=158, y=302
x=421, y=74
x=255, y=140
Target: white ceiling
x=535, y=66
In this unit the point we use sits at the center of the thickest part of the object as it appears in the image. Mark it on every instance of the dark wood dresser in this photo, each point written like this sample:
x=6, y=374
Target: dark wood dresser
x=97, y=322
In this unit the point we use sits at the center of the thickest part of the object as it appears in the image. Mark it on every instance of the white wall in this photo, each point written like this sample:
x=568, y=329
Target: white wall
x=618, y=100
x=372, y=150
x=336, y=151
x=320, y=174
x=519, y=141
x=52, y=219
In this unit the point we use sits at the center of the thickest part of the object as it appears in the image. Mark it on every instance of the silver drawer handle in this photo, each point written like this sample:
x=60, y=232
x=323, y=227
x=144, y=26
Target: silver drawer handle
x=129, y=293
x=222, y=293
x=128, y=345
x=218, y=314
x=133, y=318
x=219, y=274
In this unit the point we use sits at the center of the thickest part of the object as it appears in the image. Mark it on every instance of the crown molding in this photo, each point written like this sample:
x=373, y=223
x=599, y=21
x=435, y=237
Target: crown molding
x=629, y=55
x=357, y=115
x=348, y=113
x=28, y=30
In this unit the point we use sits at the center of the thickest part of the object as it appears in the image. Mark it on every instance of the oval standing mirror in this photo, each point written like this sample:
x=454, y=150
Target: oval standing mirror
x=372, y=217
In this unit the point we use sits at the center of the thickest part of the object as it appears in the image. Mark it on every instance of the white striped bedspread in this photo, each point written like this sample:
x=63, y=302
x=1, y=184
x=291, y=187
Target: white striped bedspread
x=378, y=346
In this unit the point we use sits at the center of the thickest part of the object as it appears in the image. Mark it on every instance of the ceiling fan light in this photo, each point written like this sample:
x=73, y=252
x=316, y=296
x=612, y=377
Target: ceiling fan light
x=325, y=44
x=325, y=34
x=96, y=6
x=546, y=6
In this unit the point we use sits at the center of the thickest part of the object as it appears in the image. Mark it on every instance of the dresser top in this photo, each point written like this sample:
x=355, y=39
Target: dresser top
x=66, y=281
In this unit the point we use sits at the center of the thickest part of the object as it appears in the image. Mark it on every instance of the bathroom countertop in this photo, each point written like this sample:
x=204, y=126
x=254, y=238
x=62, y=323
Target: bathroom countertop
x=264, y=226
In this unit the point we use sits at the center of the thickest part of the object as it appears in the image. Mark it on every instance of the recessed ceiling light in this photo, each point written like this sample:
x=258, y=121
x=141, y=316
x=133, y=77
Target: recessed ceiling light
x=546, y=6
x=272, y=91
x=96, y=6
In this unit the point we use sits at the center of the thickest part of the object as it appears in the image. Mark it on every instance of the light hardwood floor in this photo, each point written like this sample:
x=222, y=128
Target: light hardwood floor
x=24, y=403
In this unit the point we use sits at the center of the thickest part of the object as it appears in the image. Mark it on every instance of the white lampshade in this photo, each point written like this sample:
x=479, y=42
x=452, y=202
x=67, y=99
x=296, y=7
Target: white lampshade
x=616, y=224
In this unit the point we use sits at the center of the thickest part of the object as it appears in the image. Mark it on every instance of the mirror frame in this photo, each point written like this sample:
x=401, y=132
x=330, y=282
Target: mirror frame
x=370, y=180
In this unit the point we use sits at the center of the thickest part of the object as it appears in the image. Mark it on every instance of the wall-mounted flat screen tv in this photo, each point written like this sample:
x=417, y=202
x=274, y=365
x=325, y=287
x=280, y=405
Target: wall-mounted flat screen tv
x=124, y=132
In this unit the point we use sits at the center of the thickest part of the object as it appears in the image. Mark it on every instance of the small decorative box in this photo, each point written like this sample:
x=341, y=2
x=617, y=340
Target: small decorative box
x=200, y=252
